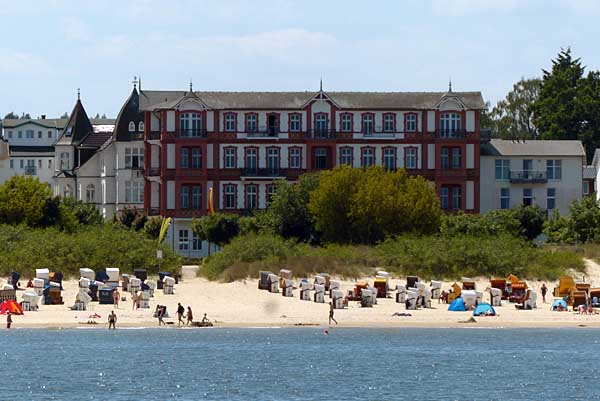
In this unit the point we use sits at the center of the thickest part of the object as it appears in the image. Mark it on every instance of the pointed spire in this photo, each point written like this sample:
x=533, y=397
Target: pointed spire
x=134, y=82
x=78, y=94
x=191, y=88
x=321, y=85
x=450, y=85
x=140, y=82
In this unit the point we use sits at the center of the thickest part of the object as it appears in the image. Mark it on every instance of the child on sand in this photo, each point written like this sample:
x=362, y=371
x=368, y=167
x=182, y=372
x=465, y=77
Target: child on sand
x=8, y=320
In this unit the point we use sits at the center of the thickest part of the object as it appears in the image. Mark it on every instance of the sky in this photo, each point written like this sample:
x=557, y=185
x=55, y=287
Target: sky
x=49, y=48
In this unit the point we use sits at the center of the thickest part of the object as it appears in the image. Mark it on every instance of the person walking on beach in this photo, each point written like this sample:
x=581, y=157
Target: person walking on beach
x=116, y=296
x=134, y=300
x=190, y=316
x=544, y=291
x=180, y=312
x=112, y=320
x=331, y=313
x=160, y=313
x=8, y=320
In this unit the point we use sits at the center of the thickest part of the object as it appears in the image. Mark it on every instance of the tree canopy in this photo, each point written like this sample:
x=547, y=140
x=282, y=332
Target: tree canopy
x=512, y=117
x=217, y=228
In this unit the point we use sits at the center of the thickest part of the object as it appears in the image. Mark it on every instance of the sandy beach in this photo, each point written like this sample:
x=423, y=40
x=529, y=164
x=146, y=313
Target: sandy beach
x=241, y=304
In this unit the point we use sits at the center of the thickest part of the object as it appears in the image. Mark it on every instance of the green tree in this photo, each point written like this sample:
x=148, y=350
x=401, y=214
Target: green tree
x=23, y=200
x=65, y=115
x=85, y=213
x=531, y=220
x=287, y=214
x=581, y=225
x=152, y=227
x=11, y=116
x=512, y=118
x=217, y=228
x=131, y=217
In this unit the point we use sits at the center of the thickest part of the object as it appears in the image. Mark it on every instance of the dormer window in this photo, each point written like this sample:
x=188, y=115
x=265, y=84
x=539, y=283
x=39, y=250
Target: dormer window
x=321, y=123
x=450, y=124
x=141, y=126
x=190, y=124
x=131, y=126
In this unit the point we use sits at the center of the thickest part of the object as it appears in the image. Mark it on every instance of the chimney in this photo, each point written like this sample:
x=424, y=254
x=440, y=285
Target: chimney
x=43, y=116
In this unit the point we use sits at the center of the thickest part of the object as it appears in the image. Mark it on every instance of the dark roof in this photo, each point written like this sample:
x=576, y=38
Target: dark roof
x=129, y=112
x=502, y=147
x=78, y=127
x=95, y=139
x=58, y=123
x=32, y=149
x=150, y=100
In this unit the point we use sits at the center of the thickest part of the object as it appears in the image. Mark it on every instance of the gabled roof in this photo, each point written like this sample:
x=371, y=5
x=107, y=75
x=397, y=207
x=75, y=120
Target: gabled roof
x=95, y=139
x=502, y=147
x=42, y=122
x=78, y=127
x=153, y=100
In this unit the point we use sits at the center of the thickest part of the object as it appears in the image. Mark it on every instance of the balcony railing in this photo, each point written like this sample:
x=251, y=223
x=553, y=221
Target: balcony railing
x=321, y=134
x=263, y=133
x=528, y=176
x=154, y=135
x=451, y=133
x=154, y=172
x=136, y=136
x=30, y=170
x=153, y=211
x=262, y=172
x=192, y=133
x=378, y=134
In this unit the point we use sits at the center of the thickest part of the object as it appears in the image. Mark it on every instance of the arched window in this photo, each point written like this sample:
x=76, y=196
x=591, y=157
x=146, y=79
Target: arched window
x=131, y=126
x=141, y=126
x=90, y=193
x=68, y=191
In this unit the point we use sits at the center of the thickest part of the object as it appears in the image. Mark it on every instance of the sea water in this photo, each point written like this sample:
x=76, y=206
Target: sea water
x=300, y=364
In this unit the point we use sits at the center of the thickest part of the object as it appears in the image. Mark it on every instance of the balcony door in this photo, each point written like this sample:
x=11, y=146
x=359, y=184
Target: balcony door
x=273, y=124
x=251, y=160
x=273, y=161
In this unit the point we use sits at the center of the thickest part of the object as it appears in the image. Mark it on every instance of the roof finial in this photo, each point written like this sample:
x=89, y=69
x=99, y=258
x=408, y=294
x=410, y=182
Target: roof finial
x=191, y=90
x=140, y=82
x=321, y=85
x=450, y=85
x=78, y=94
x=135, y=81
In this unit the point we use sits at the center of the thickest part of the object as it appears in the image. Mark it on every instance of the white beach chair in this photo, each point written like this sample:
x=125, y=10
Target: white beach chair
x=135, y=285
x=319, y=293
x=273, y=283
x=333, y=285
x=144, y=300
x=44, y=274
x=411, y=298
x=374, y=292
x=38, y=286
x=469, y=298
x=31, y=301
x=436, y=289
x=496, y=296
x=288, y=288
x=400, y=293
x=87, y=273
x=424, y=295
x=84, y=282
x=151, y=287
x=320, y=280
x=113, y=274
x=305, y=289
x=366, y=298
x=168, y=284
x=531, y=302
x=337, y=297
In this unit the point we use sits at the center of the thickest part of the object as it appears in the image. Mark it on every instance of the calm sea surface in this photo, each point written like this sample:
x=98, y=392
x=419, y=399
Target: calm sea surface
x=300, y=364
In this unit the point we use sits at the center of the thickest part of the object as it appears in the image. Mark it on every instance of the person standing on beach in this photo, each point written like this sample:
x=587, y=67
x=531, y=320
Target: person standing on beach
x=190, y=316
x=116, y=296
x=544, y=291
x=112, y=320
x=134, y=299
x=180, y=312
x=8, y=320
x=331, y=313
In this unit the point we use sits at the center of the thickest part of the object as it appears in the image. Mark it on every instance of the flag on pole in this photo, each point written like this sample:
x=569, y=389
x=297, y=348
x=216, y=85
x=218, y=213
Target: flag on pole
x=163, y=229
x=211, y=208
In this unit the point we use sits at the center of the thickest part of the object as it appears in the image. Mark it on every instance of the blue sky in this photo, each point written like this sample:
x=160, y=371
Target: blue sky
x=50, y=48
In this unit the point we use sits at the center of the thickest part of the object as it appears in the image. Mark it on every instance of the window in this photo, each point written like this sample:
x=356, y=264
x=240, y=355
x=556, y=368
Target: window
x=271, y=191
x=445, y=158
x=367, y=157
x=456, y=198
x=134, y=157
x=39, y=134
x=586, y=186
x=295, y=122
x=346, y=155
x=230, y=158
x=12, y=164
x=90, y=193
x=21, y=163
x=190, y=124
x=196, y=242
x=251, y=197
x=49, y=163
x=184, y=240
x=321, y=158
x=49, y=134
x=456, y=158
x=295, y=158
x=9, y=134
x=346, y=122
x=273, y=160
x=68, y=191
x=504, y=198
x=230, y=193
x=229, y=122
x=550, y=198
x=321, y=122
x=502, y=169
x=410, y=158
x=389, y=158
x=367, y=124
x=251, y=159
x=410, y=122
x=450, y=124
x=527, y=196
x=134, y=192
x=196, y=197
x=131, y=126
x=527, y=165
x=554, y=169
x=29, y=134
x=273, y=125
x=196, y=158
x=39, y=163
x=184, y=197
x=251, y=123
x=444, y=198
x=389, y=123
x=141, y=126
x=21, y=133
x=184, y=158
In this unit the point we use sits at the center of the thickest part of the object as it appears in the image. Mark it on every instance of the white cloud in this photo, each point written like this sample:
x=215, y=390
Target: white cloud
x=457, y=8
x=75, y=29
x=15, y=62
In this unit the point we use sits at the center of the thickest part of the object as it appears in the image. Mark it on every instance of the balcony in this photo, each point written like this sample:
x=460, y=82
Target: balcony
x=321, y=134
x=136, y=136
x=153, y=211
x=378, y=134
x=154, y=136
x=451, y=133
x=154, y=172
x=263, y=133
x=30, y=170
x=528, y=177
x=262, y=172
x=192, y=133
